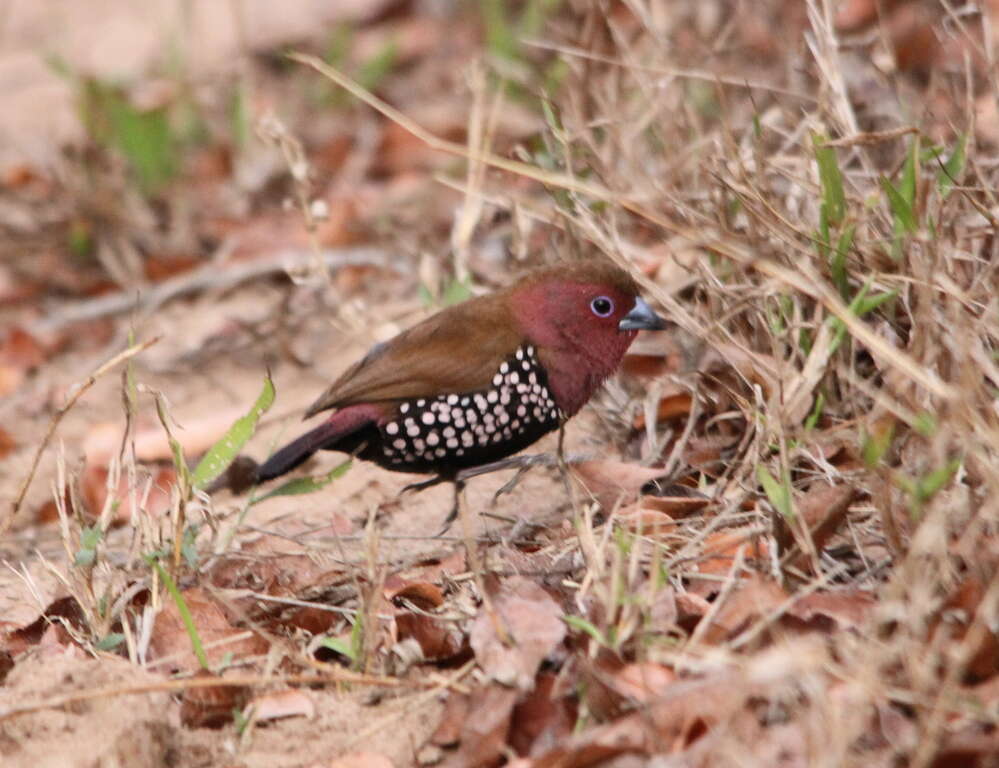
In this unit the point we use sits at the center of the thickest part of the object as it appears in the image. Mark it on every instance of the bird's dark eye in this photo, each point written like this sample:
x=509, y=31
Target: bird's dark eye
x=602, y=306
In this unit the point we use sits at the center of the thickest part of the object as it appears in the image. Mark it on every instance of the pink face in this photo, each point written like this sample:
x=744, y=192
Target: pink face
x=578, y=327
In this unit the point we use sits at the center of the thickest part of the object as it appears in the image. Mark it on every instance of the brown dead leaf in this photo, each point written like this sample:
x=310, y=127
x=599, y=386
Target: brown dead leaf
x=524, y=626
x=720, y=549
x=211, y=706
x=438, y=639
x=275, y=705
x=822, y=509
x=610, y=480
x=195, y=436
x=542, y=719
x=424, y=594
x=842, y=609
x=20, y=354
x=670, y=407
x=754, y=599
x=647, y=522
x=157, y=503
x=484, y=732
x=452, y=720
x=614, y=687
x=171, y=640
x=362, y=760
x=7, y=443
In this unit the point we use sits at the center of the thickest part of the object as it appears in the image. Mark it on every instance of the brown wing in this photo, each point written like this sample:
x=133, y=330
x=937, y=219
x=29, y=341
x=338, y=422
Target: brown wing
x=457, y=350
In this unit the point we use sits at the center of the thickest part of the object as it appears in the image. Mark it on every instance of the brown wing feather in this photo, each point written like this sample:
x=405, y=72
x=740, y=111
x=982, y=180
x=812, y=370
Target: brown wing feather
x=457, y=350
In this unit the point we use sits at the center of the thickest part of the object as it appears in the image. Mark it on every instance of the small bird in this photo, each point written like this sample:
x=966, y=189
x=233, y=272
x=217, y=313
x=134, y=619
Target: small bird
x=481, y=380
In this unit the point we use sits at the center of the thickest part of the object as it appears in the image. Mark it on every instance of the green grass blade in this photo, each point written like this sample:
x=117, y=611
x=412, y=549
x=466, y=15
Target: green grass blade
x=831, y=180
x=952, y=170
x=779, y=493
x=302, y=485
x=222, y=454
x=185, y=613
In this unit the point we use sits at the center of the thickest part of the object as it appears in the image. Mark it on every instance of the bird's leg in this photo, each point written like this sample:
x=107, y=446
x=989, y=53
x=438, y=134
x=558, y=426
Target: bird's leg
x=423, y=484
x=459, y=486
x=563, y=465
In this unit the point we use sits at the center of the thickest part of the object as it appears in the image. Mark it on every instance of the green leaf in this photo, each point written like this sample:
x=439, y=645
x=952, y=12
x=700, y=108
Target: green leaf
x=340, y=646
x=182, y=609
x=222, y=454
x=779, y=493
x=837, y=264
x=813, y=417
x=902, y=212
x=110, y=641
x=456, y=292
x=302, y=485
x=932, y=482
x=951, y=172
x=90, y=538
x=582, y=625
x=876, y=446
x=831, y=180
x=910, y=173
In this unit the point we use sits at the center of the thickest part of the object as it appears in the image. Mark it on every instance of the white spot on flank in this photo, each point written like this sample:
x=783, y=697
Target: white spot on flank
x=497, y=379
x=452, y=399
x=514, y=378
x=391, y=428
x=505, y=368
x=418, y=445
x=520, y=353
x=413, y=431
x=399, y=444
x=428, y=418
x=452, y=442
x=433, y=438
x=404, y=408
x=493, y=396
x=420, y=403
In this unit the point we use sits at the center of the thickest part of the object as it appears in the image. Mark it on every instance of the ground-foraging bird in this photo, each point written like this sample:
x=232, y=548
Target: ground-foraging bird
x=481, y=380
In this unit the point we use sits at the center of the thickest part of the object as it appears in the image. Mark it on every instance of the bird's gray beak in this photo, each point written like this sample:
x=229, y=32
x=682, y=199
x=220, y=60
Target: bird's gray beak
x=641, y=318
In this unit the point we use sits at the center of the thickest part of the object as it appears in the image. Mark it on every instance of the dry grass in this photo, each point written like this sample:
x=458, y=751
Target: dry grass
x=833, y=272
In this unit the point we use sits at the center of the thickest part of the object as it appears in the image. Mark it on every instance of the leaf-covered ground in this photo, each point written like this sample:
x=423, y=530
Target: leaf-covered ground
x=776, y=544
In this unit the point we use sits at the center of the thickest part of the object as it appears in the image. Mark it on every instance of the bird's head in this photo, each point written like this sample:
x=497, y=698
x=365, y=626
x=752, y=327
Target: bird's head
x=582, y=317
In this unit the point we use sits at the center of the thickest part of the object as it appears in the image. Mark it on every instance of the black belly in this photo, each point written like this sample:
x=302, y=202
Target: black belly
x=450, y=432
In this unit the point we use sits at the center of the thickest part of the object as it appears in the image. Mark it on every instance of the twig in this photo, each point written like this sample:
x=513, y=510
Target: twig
x=208, y=276
x=328, y=675
x=78, y=391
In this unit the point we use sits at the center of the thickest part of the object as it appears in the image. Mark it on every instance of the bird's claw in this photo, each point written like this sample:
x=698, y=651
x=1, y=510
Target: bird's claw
x=423, y=484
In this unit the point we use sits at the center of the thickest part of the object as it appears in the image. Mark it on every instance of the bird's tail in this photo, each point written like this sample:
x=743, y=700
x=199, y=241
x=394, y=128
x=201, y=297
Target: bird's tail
x=344, y=431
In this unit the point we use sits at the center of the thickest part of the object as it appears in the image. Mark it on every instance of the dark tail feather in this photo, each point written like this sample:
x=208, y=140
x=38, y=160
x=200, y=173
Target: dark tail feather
x=330, y=435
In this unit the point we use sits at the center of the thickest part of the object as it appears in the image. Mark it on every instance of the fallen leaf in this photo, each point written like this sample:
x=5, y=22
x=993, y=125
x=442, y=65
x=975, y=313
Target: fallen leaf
x=483, y=735
x=611, y=481
x=755, y=598
x=275, y=705
x=840, y=609
x=524, y=626
x=424, y=594
x=7, y=443
x=438, y=639
x=170, y=638
x=452, y=720
x=362, y=760
x=542, y=720
x=669, y=407
x=211, y=706
x=151, y=444
x=647, y=522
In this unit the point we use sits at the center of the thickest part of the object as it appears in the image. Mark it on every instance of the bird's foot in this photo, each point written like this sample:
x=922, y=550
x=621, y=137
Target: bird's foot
x=510, y=484
x=423, y=484
x=459, y=486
